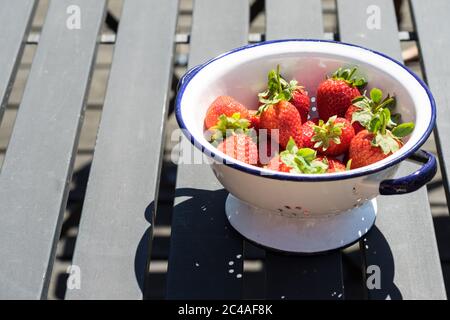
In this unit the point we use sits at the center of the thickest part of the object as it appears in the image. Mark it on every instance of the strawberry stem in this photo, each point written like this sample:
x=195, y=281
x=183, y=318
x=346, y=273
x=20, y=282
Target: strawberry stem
x=278, y=79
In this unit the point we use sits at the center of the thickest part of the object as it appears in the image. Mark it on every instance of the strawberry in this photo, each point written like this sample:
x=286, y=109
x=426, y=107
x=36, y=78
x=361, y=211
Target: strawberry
x=297, y=160
x=335, y=94
x=276, y=164
x=302, y=102
x=284, y=117
x=224, y=105
x=308, y=133
x=363, y=153
x=254, y=119
x=330, y=138
x=363, y=108
x=241, y=147
x=279, y=89
x=334, y=165
x=378, y=142
x=227, y=126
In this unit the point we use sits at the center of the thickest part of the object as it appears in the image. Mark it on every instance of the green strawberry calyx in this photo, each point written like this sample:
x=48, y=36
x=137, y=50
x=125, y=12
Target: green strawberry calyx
x=324, y=132
x=367, y=107
x=278, y=89
x=227, y=126
x=374, y=114
x=389, y=140
x=348, y=75
x=302, y=160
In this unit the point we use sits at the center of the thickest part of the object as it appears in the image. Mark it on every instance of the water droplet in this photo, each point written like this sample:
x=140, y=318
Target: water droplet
x=359, y=233
x=239, y=256
x=313, y=99
x=197, y=264
x=367, y=247
x=333, y=294
x=362, y=218
x=340, y=295
x=231, y=270
x=282, y=297
x=239, y=276
x=230, y=263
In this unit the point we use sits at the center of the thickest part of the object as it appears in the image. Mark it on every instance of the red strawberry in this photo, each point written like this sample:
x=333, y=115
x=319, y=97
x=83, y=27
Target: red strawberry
x=335, y=94
x=349, y=114
x=240, y=147
x=301, y=101
x=276, y=164
x=383, y=135
x=330, y=138
x=283, y=117
x=362, y=152
x=254, y=119
x=279, y=89
x=334, y=165
x=224, y=105
x=308, y=133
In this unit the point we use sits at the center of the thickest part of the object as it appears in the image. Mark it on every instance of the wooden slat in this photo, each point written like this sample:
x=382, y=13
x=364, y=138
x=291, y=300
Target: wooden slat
x=434, y=41
x=313, y=277
x=202, y=242
x=403, y=243
x=16, y=17
x=36, y=172
x=113, y=245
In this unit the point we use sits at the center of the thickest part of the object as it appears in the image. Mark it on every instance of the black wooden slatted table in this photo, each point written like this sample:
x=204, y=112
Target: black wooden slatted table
x=116, y=229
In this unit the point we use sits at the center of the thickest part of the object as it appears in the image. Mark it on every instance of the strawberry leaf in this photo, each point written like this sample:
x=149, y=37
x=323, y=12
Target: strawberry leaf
x=302, y=160
x=347, y=76
x=387, y=142
x=376, y=95
x=363, y=117
x=375, y=124
x=227, y=126
x=307, y=154
x=326, y=132
x=291, y=146
x=402, y=130
x=278, y=89
x=386, y=118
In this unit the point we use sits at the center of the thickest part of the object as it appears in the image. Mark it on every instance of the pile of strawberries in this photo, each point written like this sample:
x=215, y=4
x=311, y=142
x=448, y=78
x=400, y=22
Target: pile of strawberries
x=353, y=130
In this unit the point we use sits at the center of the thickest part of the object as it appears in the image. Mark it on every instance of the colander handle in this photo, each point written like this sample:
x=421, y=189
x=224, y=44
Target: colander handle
x=415, y=180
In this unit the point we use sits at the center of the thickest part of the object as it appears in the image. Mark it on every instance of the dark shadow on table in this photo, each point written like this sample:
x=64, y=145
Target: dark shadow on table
x=202, y=245
x=380, y=255
x=442, y=230
x=67, y=237
x=141, y=259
